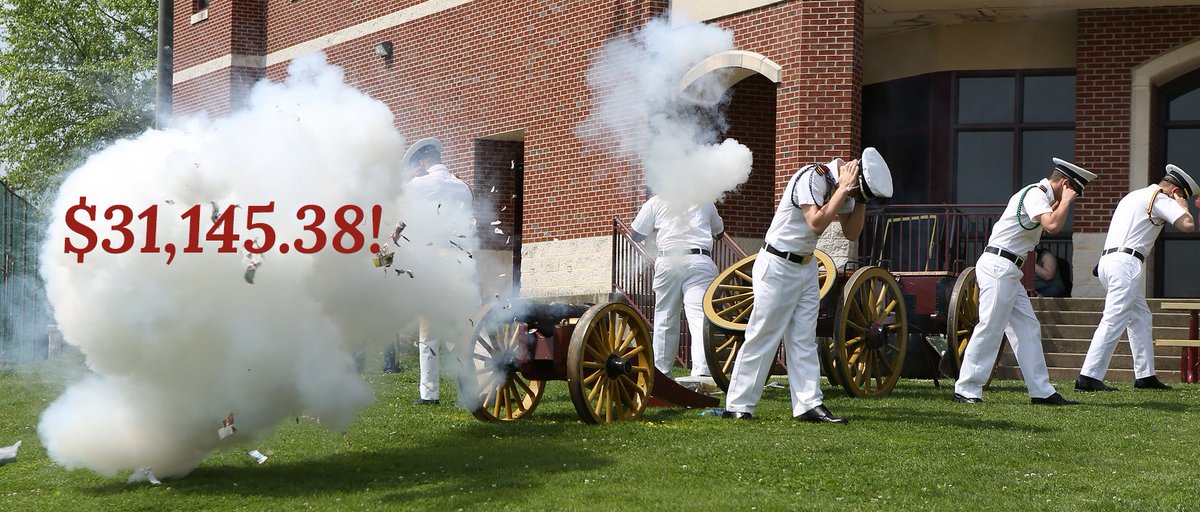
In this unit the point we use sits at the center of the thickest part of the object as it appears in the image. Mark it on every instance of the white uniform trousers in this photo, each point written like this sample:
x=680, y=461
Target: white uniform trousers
x=786, y=303
x=680, y=281
x=1125, y=309
x=1003, y=306
x=427, y=351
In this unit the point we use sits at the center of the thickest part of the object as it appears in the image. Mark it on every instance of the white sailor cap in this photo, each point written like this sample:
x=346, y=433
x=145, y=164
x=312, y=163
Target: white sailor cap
x=1182, y=180
x=874, y=176
x=411, y=155
x=1078, y=176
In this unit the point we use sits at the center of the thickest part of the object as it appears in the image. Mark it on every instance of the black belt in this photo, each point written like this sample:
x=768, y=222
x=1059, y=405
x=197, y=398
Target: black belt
x=802, y=259
x=1125, y=250
x=683, y=252
x=1017, y=260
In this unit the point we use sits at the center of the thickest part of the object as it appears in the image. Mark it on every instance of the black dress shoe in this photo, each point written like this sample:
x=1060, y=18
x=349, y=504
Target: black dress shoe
x=426, y=401
x=820, y=414
x=1085, y=383
x=731, y=415
x=1150, y=382
x=966, y=399
x=1055, y=399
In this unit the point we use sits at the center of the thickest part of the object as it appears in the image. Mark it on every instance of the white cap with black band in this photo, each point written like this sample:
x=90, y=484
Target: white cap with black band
x=1078, y=176
x=1182, y=180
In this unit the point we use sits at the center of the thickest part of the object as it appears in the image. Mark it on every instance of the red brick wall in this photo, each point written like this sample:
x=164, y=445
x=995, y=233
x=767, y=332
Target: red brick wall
x=750, y=115
x=218, y=92
x=489, y=67
x=1110, y=43
x=819, y=45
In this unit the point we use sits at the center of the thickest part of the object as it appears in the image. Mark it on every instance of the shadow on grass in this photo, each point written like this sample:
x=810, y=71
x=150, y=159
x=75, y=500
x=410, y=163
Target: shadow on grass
x=493, y=456
x=1152, y=405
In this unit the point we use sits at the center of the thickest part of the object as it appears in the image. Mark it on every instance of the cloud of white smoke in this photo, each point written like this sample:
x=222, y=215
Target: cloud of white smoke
x=174, y=349
x=635, y=81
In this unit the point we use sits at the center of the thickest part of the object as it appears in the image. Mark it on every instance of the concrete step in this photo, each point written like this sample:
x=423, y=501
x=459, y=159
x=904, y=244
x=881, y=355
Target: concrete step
x=1093, y=318
x=1091, y=304
x=1122, y=379
x=1075, y=361
x=1085, y=332
x=1080, y=346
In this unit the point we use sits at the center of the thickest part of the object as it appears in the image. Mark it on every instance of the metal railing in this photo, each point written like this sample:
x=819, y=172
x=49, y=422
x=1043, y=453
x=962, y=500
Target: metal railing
x=927, y=238
x=633, y=274
x=23, y=312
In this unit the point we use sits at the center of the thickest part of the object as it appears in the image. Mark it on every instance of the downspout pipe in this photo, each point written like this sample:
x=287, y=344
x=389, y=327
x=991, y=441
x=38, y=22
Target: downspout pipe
x=166, y=65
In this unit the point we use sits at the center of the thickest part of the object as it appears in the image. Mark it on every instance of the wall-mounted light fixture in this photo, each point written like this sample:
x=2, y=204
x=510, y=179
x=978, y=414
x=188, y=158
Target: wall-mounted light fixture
x=384, y=49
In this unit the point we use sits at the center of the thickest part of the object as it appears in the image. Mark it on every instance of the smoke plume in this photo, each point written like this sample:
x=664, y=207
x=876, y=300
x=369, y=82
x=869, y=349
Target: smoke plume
x=635, y=82
x=175, y=349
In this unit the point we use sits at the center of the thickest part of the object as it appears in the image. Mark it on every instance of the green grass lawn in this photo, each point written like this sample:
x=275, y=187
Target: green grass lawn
x=914, y=450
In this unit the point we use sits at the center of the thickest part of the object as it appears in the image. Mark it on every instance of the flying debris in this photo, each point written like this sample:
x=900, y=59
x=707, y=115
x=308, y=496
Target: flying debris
x=498, y=231
x=396, y=235
x=384, y=257
x=508, y=240
x=252, y=261
x=502, y=208
x=502, y=276
x=258, y=456
x=495, y=223
x=493, y=188
x=459, y=247
x=216, y=211
x=169, y=201
x=227, y=429
x=9, y=453
x=439, y=209
x=400, y=271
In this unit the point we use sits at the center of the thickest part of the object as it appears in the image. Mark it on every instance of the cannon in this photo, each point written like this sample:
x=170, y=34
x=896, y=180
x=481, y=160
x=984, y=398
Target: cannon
x=867, y=317
x=603, y=352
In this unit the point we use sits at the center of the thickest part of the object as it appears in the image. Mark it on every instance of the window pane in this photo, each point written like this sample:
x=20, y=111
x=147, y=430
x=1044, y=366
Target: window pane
x=1037, y=148
x=984, y=167
x=1182, y=273
x=1183, y=149
x=1186, y=107
x=1049, y=99
x=986, y=100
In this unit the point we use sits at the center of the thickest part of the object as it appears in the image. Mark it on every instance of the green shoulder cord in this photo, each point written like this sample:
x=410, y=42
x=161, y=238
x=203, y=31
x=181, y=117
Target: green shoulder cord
x=1150, y=208
x=1021, y=206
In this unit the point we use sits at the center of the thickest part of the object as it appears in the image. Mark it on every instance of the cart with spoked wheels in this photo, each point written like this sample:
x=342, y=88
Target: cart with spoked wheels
x=602, y=351
x=871, y=320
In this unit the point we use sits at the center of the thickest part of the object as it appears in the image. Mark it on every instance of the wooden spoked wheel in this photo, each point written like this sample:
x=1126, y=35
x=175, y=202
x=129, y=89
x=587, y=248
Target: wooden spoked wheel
x=829, y=367
x=730, y=298
x=500, y=345
x=871, y=333
x=610, y=367
x=962, y=317
x=720, y=351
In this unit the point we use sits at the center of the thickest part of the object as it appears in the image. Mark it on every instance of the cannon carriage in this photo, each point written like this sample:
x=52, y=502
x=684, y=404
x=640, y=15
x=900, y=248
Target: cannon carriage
x=603, y=352
x=876, y=323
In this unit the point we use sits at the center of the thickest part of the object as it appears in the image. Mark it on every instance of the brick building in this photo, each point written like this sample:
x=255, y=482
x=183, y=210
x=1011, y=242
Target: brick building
x=968, y=99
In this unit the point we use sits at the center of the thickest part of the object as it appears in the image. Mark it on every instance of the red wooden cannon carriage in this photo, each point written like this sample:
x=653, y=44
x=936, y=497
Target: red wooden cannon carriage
x=602, y=351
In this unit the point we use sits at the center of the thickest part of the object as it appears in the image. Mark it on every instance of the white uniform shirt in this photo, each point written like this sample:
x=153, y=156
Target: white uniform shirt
x=677, y=228
x=441, y=187
x=789, y=229
x=1131, y=226
x=1008, y=234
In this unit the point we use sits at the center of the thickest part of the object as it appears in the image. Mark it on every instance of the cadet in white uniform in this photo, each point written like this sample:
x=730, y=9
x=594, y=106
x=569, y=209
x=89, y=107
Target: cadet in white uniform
x=786, y=297
x=435, y=185
x=1136, y=223
x=682, y=272
x=1003, y=303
